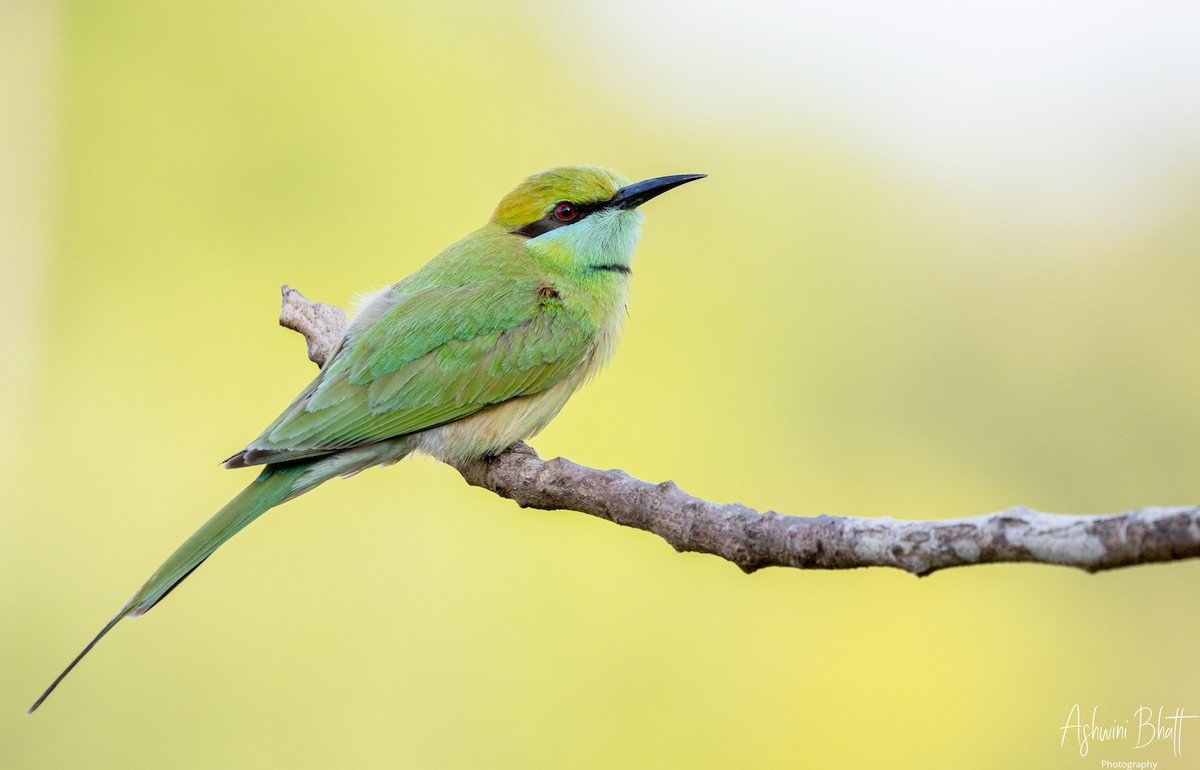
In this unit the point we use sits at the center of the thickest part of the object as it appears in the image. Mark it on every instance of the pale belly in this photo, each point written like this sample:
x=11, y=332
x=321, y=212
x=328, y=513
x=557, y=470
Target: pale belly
x=490, y=430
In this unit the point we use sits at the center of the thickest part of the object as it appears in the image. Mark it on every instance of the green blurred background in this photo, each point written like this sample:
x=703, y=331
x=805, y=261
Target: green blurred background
x=946, y=261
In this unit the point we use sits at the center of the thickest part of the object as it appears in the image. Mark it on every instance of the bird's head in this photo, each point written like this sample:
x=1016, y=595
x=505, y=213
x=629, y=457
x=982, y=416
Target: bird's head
x=581, y=216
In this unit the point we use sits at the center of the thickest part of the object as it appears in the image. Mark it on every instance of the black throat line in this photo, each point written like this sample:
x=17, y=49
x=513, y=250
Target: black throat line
x=614, y=268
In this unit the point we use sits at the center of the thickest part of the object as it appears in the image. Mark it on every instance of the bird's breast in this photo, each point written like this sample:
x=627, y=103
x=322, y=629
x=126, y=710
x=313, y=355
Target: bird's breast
x=493, y=428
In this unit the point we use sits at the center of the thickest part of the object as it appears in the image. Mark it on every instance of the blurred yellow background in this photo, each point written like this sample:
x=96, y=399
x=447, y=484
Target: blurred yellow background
x=946, y=261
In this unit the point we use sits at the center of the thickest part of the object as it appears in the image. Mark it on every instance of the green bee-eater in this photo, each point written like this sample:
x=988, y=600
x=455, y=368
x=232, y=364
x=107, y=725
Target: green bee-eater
x=478, y=349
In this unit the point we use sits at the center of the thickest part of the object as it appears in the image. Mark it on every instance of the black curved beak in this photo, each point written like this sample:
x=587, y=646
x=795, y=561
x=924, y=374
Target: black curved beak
x=636, y=194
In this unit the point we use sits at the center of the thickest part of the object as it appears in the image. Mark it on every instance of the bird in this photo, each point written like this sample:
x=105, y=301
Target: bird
x=478, y=349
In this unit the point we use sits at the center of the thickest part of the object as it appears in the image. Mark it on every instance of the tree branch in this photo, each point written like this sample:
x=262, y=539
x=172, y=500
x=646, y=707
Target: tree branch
x=753, y=540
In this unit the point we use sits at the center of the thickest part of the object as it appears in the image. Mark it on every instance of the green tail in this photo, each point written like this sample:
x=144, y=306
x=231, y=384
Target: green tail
x=274, y=485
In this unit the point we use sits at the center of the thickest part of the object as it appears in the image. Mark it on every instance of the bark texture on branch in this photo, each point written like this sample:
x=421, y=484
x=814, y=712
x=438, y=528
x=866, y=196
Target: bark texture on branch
x=753, y=540
x=323, y=326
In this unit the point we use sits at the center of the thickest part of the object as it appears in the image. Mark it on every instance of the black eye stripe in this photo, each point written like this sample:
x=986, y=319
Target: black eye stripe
x=552, y=222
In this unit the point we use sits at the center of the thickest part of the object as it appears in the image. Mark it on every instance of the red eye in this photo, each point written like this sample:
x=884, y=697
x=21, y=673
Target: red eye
x=565, y=212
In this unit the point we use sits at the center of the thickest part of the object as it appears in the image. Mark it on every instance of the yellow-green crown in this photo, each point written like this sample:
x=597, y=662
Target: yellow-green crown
x=534, y=197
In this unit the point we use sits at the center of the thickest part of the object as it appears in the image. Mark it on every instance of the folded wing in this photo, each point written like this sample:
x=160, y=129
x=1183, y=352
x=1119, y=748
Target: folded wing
x=438, y=354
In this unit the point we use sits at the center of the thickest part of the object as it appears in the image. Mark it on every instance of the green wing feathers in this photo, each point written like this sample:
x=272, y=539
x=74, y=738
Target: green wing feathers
x=437, y=355
x=425, y=357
